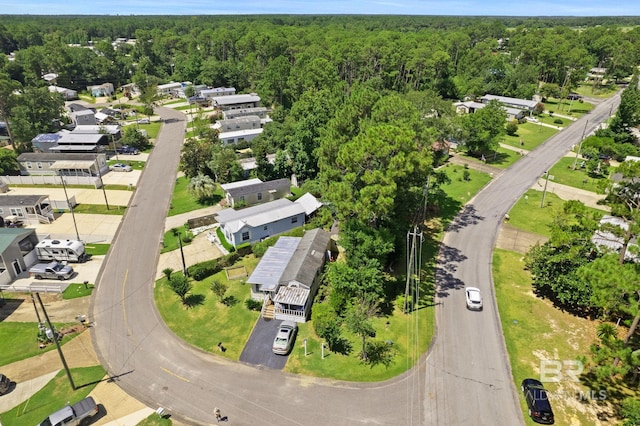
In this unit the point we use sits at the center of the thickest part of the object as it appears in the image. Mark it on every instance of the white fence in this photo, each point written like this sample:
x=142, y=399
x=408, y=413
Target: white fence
x=51, y=180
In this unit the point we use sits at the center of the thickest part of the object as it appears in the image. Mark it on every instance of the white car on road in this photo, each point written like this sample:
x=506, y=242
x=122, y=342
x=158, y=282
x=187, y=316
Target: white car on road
x=474, y=299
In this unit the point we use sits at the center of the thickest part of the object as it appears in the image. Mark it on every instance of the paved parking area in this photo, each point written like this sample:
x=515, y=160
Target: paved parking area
x=257, y=351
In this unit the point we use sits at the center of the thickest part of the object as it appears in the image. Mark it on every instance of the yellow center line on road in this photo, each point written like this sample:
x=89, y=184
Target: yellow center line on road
x=124, y=309
x=175, y=375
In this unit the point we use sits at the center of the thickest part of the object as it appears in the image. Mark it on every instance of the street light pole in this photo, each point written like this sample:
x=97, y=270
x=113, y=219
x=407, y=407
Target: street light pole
x=73, y=216
x=102, y=185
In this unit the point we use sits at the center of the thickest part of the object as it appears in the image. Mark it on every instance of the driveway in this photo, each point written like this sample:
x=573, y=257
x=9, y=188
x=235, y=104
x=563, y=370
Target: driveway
x=257, y=351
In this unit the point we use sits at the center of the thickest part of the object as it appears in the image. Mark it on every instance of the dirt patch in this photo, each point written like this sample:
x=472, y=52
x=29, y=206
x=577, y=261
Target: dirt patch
x=23, y=309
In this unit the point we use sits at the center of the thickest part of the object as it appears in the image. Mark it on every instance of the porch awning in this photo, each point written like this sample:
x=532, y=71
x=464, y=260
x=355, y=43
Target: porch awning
x=292, y=296
x=72, y=164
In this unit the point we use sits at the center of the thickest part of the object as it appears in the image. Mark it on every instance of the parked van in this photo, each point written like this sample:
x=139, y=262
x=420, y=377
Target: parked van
x=61, y=250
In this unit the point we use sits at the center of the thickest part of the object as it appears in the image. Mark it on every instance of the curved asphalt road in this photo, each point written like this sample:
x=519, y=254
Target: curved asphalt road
x=468, y=373
x=466, y=378
x=152, y=364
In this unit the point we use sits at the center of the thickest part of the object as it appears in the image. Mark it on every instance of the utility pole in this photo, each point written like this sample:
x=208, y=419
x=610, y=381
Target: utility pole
x=580, y=146
x=544, y=192
x=73, y=216
x=102, y=186
x=36, y=309
x=55, y=340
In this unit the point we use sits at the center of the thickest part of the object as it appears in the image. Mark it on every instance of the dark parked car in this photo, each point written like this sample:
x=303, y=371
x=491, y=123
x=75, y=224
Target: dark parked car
x=129, y=150
x=537, y=401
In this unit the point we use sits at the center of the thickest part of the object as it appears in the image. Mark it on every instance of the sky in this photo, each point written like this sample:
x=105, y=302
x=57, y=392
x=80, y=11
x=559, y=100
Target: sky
x=309, y=7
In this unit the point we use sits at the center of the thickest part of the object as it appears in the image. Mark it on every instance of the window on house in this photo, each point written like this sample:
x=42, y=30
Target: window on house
x=1, y=211
x=39, y=165
x=29, y=165
x=265, y=227
x=259, y=196
x=245, y=236
x=294, y=219
x=17, y=212
x=241, y=198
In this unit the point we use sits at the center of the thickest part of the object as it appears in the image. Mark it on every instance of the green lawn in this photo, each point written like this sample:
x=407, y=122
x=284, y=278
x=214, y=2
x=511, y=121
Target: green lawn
x=55, y=395
x=77, y=290
x=502, y=158
x=20, y=339
x=563, y=173
x=124, y=159
x=459, y=189
x=97, y=249
x=527, y=214
x=155, y=420
x=597, y=92
x=182, y=201
x=170, y=242
x=410, y=336
x=99, y=209
x=535, y=330
x=206, y=321
x=531, y=135
x=566, y=107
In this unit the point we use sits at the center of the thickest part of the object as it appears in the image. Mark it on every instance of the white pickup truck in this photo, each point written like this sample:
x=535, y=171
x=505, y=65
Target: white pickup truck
x=79, y=413
x=54, y=270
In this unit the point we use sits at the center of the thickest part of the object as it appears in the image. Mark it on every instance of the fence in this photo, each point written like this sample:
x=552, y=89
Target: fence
x=51, y=180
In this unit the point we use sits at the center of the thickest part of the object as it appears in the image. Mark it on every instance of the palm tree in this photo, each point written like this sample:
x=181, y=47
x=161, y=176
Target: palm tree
x=201, y=186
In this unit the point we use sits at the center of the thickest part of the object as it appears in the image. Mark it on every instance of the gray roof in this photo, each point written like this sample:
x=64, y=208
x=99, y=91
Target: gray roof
x=244, y=111
x=20, y=200
x=273, y=263
x=236, y=99
x=308, y=258
x=227, y=215
x=277, y=184
x=80, y=138
x=96, y=128
x=524, y=103
x=239, y=183
x=52, y=156
x=46, y=137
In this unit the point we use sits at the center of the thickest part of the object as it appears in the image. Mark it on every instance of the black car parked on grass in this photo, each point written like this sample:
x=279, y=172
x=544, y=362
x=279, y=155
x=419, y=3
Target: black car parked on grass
x=537, y=401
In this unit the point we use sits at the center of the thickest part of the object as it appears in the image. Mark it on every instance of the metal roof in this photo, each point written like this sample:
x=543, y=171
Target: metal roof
x=54, y=156
x=46, y=137
x=309, y=203
x=9, y=235
x=236, y=99
x=96, y=129
x=525, y=103
x=308, y=258
x=292, y=295
x=253, y=188
x=80, y=138
x=87, y=148
x=72, y=164
x=239, y=184
x=273, y=263
x=227, y=215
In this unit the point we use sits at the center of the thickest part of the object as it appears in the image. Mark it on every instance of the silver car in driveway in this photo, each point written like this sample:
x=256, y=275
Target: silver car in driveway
x=119, y=167
x=284, y=338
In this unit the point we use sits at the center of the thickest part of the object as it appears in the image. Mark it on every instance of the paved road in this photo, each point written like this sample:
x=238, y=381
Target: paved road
x=468, y=373
x=150, y=363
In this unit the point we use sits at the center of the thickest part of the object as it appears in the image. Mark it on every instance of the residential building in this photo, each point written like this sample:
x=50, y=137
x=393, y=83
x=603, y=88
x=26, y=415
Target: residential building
x=288, y=275
x=28, y=208
x=17, y=252
x=258, y=222
x=65, y=164
x=262, y=112
x=254, y=191
x=67, y=94
x=99, y=90
x=209, y=94
x=522, y=104
x=84, y=117
x=225, y=103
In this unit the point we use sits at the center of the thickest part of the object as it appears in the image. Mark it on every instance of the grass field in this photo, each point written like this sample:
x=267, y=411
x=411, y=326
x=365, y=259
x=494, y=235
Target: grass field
x=182, y=201
x=531, y=136
x=95, y=249
x=20, y=339
x=527, y=214
x=54, y=396
x=99, y=209
x=564, y=174
x=206, y=321
x=535, y=330
x=170, y=242
x=600, y=92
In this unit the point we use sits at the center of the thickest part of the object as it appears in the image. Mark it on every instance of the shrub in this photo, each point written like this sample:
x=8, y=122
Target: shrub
x=253, y=305
x=558, y=121
x=202, y=270
x=228, y=260
x=512, y=127
x=224, y=241
x=466, y=175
